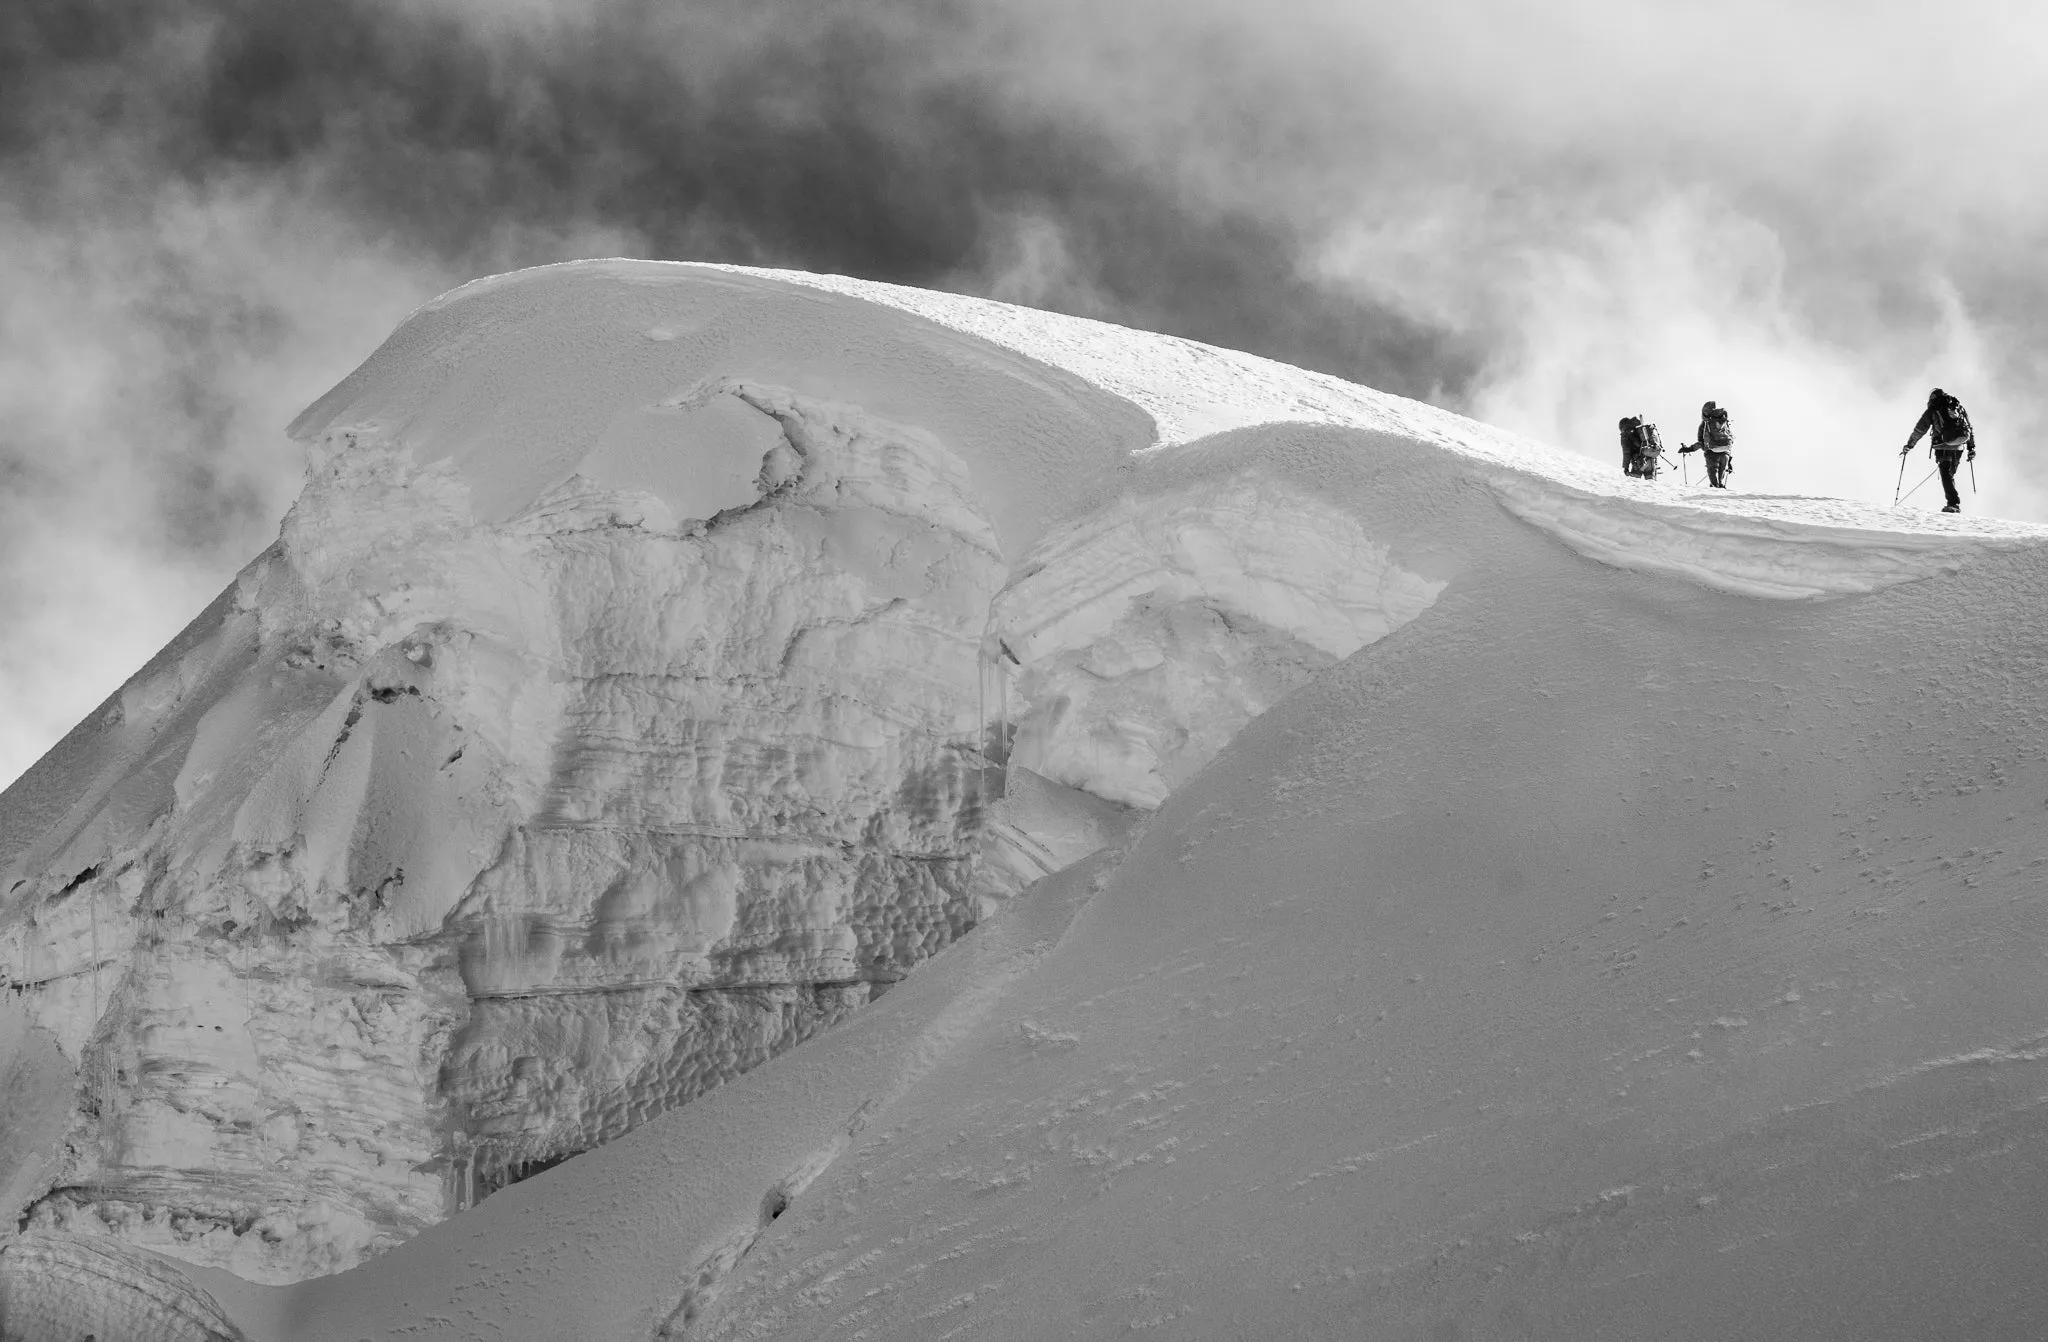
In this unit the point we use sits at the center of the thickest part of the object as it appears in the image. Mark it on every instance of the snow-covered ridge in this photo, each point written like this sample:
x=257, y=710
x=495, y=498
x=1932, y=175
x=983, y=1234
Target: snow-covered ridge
x=648, y=676
x=1780, y=552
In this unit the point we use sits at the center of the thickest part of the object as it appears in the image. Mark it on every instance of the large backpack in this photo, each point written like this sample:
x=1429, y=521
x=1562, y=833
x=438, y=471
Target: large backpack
x=1649, y=450
x=1951, y=421
x=1718, y=435
x=1639, y=447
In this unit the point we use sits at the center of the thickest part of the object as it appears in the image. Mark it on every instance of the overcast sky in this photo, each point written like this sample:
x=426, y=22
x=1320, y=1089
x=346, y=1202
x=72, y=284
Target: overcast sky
x=1544, y=215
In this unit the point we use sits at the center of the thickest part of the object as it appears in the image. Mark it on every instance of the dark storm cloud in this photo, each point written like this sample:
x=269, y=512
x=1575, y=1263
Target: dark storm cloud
x=861, y=139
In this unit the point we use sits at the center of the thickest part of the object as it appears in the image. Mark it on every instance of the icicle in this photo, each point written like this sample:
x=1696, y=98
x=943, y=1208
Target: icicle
x=1003, y=730
x=92, y=907
x=241, y=973
x=461, y=1173
x=503, y=939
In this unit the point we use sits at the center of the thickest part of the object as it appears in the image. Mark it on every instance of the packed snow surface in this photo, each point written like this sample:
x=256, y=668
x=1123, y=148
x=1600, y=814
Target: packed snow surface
x=1372, y=875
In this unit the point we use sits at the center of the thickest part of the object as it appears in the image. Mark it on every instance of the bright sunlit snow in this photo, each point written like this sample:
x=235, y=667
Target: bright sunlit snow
x=749, y=804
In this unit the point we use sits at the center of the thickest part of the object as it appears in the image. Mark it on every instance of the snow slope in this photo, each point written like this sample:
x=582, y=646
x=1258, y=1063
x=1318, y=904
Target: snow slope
x=1572, y=907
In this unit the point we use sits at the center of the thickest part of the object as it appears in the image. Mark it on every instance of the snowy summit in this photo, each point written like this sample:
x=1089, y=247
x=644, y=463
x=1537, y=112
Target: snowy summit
x=753, y=804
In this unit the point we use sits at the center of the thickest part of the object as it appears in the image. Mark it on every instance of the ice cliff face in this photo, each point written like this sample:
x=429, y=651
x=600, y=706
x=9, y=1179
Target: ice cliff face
x=506, y=837
x=582, y=743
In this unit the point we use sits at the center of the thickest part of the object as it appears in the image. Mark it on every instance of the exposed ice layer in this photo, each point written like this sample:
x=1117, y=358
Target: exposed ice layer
x=493, y=840
x=1145, y=635
x=1041, y=827
x=67, y=1286
x=539, y=1078
x=765, y=775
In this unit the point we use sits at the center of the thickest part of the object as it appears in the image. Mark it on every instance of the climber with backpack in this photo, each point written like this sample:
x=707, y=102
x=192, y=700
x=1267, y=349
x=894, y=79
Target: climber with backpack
x=1949, y=435
x=1641, y=448
x=1716, y=439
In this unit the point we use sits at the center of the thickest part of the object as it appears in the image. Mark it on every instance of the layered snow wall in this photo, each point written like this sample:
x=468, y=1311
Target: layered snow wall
x=582, y=743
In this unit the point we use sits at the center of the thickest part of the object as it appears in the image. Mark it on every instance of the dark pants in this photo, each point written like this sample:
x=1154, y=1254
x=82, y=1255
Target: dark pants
x=1947, y=459
x=1717, y=467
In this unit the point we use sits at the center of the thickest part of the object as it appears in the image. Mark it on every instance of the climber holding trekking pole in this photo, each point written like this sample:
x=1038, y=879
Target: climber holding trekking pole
x=1716, y=439
x=1947, y=425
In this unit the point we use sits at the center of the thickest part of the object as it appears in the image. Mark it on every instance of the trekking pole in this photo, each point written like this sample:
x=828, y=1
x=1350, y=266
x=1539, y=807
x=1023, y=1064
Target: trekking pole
x=1902, y=480
x=1973, y=475
x=1916, y=488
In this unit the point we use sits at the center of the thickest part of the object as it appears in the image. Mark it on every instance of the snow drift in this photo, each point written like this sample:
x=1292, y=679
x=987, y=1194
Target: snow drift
x=1559, y=905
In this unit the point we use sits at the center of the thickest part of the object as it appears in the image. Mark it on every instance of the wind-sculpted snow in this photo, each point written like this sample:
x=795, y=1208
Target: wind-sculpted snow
x=663, y=662
x=1763, y=552
x=1146, y=634
x=73, y=1286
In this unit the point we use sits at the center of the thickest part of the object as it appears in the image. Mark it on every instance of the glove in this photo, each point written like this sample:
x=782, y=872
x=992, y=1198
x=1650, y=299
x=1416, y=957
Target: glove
x=1904, y=450
x=1689, y=447
x=1973, y=454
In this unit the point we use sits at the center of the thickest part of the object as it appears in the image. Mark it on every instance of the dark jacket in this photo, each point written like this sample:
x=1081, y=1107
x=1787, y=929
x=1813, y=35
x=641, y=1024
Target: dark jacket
x=1926, y=425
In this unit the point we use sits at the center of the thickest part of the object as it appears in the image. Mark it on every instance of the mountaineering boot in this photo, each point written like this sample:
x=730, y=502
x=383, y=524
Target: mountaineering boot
x=1951, y=507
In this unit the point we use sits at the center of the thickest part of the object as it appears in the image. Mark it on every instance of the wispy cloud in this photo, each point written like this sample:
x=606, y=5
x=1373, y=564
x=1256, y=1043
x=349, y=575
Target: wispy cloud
x=1547, y=215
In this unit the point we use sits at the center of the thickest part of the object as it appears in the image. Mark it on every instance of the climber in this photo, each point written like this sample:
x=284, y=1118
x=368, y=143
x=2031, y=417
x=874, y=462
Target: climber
x=1641, y=448
x=1649, y=451
x=1949, y=435
x=1716, y=438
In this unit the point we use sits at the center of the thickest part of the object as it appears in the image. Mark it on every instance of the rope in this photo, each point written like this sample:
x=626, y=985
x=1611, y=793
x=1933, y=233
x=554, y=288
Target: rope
x=1916, y=488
